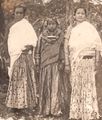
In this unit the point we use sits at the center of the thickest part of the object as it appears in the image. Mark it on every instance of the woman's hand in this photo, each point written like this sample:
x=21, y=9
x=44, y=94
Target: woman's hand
x=98, y=60
x=25, y=50
x=8, y=62
x=29, y=47
x=67, y=69
x=61, y=66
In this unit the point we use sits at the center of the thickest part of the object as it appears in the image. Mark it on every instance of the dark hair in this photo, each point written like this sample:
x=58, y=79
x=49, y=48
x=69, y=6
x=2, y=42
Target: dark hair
x=80, y=7
x=20, y=6
x=53, y=20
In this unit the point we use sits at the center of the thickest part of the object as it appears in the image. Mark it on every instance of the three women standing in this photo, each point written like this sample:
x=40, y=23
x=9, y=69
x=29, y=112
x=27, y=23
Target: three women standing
x=82, y=50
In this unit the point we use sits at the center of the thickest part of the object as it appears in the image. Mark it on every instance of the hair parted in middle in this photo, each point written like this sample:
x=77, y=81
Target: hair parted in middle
x=20, y=6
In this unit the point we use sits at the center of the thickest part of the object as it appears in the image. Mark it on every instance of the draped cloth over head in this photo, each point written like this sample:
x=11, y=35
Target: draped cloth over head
x=20, y=35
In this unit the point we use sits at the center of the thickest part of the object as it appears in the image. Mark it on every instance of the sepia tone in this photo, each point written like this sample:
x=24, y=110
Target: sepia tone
x=53, y=80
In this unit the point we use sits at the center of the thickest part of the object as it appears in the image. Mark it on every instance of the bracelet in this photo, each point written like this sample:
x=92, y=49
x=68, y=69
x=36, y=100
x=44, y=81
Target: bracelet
x=67, y=64
x=37, y=57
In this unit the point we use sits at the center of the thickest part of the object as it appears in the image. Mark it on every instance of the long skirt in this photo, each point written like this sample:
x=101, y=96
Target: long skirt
x=99, y=85
x=50, y=90
x=84, y=103
x=22, y=86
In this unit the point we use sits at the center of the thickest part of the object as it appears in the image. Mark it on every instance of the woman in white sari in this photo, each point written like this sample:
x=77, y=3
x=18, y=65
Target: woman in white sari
x=82, y=48
x=21, y=43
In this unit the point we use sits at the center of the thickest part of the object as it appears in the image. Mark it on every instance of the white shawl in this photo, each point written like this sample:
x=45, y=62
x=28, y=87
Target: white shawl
x=21, y=34
x=83, y=36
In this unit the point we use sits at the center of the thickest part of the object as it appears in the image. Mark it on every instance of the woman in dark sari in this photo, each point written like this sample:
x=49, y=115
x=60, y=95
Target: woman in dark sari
x=50, y=48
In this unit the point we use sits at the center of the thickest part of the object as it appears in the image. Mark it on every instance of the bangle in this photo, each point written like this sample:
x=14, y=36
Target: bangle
x=37, y=57
x=66, y=64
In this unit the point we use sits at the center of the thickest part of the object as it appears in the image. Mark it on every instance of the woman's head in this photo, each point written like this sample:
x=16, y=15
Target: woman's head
x=80, y=14
x=52, y=24
x=19, y=12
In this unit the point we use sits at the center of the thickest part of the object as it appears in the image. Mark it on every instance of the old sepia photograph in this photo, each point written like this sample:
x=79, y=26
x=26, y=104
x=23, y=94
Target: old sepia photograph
x=50, y=59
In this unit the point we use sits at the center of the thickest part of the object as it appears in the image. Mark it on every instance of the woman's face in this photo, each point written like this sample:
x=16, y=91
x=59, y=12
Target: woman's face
x=19, y=13
x=52, y=25
x=80, y=15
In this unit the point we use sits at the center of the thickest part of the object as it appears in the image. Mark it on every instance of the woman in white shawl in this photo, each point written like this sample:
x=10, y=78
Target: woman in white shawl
x=21, y=43
x=82, y=48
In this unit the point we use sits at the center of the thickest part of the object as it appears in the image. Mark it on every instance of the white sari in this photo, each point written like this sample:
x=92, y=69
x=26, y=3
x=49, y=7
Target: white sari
x=84, y=40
